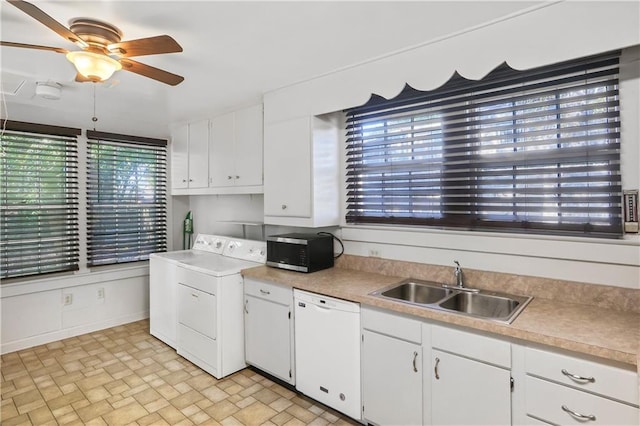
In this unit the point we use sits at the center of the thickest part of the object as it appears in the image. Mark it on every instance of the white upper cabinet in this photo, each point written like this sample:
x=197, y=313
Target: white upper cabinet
x=219, y=156
x=180, y=157
x=198, y=154
x=235, y=151
x=189, y=154
x=301, y=185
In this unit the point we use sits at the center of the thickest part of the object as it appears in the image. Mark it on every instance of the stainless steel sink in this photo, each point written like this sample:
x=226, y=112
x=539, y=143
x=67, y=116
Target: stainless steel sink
x=495, y=306
x=500, y=307
x=416, y=292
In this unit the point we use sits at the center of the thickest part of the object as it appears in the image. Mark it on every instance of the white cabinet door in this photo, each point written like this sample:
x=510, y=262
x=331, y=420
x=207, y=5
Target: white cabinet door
x=248, y=146
x=199, y=154
x=180, y=157
x=464, y=391
x=391, y=380
x=287, y=168
x=221, y=151
x=268, y=337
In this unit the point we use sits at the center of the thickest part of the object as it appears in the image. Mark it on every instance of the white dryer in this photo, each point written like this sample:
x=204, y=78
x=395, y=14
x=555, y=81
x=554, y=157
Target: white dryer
x=196, y=300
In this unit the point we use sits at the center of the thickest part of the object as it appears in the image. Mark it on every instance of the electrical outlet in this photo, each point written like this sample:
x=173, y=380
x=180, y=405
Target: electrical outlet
x=374, y=253
x=67, y=299
x=101, y=293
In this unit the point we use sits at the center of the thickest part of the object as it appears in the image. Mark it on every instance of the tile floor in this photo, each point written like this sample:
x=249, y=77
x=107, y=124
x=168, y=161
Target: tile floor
x=123, y=375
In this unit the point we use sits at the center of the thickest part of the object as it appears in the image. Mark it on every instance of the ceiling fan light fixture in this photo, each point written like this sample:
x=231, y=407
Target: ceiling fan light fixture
x=94, y=66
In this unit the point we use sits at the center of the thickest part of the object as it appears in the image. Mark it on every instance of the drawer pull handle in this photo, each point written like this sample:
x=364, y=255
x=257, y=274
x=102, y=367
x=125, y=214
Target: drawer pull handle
x=415, y=357
x=194, y=295
x=246, y=306
x=264, y=291
x=578, y=378
x=435, y=369
x=578, y=415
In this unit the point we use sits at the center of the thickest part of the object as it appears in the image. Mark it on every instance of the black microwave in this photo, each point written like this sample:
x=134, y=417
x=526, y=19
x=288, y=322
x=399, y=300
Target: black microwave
x=300, y=252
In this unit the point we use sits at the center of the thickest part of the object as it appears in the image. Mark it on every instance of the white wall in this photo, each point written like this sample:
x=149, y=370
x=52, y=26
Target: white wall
x=34, y=312
x=541, y=36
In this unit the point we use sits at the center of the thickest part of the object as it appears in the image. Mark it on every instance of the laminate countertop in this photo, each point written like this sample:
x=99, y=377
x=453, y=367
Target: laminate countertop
x=590, y=330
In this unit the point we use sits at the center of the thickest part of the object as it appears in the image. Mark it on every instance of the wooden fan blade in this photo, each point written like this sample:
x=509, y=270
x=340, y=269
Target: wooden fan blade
x=151, y=72
x=145, y=46
x=33, y=46
x=47, y=20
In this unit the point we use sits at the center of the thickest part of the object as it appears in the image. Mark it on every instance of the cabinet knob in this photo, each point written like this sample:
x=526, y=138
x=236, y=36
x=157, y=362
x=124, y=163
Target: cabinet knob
x=229, y=177
x=284, y=207
x=184, y=180
x=190, y=180
x=237, y=177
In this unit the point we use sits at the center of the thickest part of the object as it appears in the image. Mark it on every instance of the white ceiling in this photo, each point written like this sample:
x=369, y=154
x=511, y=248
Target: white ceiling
x=233, y=53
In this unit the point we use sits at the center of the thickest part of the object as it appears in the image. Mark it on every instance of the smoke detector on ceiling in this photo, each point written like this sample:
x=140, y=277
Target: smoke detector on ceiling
x=48, y=90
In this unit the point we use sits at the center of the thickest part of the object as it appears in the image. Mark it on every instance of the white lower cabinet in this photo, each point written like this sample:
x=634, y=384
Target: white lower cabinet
x=566, y=390
x=268, y=326
x=470, y=378
x=465, y=391
x=391, y=369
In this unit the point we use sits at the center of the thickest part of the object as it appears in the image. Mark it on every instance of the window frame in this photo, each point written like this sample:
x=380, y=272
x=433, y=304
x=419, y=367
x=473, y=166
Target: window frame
x=53, y=245
x=103, y=250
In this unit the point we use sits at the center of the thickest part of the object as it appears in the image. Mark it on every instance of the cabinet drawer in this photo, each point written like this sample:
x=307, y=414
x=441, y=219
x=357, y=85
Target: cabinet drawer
x=472, y=345
x=269, y=291
x=545, y=400
x=609, y=381
x=391, y=325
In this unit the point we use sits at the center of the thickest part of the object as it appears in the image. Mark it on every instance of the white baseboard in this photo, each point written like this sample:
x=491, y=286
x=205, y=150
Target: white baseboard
x=70, y=332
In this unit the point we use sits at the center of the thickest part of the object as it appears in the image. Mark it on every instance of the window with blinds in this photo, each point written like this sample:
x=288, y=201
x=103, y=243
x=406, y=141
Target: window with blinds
x=520, y=151
x=126, y=198
x=38, y=200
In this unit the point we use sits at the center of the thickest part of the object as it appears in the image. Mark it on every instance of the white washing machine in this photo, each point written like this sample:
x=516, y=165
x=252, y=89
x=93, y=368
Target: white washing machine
x=196, y=300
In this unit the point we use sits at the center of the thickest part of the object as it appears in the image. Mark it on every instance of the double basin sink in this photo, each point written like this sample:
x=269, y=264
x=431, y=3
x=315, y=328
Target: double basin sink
x=499, y=307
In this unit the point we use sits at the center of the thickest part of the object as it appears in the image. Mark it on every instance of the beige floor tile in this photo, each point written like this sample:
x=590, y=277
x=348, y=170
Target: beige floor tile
x=255, y=414
x=146, y=396
x=41, y=416
x=221, y=410
x=266, y=396
x=281, y=418
x=123, y=375
x=301, y=413
x=65, y=400
x=171, y=414
x=156, y=405
x=294, y=422
x=92, y=411
x=231, y=421
x=281, y=404
x=152, y=419
x=18, y=420
x=126, y=414
x=186, y=399
x=214, y=394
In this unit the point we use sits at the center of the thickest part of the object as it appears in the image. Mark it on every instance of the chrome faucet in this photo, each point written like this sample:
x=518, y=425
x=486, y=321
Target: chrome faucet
x=458, y=275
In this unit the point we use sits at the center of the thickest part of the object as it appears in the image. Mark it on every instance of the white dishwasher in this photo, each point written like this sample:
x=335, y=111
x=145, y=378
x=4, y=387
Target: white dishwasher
x=327, y=343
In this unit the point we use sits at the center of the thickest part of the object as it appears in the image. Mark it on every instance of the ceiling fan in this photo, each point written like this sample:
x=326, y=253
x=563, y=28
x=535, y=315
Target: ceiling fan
x=102, y=52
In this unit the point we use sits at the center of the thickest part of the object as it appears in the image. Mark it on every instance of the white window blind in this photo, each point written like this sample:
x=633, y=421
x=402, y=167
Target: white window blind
x=126, y=198
x=524, y=151
x=38, y=200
